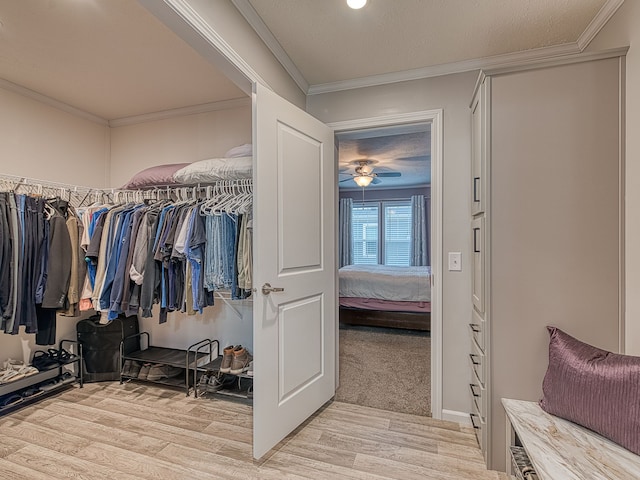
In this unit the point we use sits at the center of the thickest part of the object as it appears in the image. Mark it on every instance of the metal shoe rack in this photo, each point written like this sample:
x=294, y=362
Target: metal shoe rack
x=238, y=388
x=201, y=357
x=199, y=353
x=27, y=390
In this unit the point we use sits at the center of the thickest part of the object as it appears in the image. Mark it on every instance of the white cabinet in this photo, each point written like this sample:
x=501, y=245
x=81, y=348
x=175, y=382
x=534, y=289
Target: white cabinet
x=546, y=174
x=478, y=326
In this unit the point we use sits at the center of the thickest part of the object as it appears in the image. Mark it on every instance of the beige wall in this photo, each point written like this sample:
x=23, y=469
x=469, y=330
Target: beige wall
x=223, y=17
x=42, y=142
x=555, y=230
x=452, y=93
x=624, y=30
x=176, y=140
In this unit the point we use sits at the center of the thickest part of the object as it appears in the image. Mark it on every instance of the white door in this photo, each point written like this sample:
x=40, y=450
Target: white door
x=294, y=249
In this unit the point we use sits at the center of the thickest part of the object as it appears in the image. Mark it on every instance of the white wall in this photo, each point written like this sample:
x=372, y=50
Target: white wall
x=623, y=30
x=42, y=142
x=452, y=93
x=176, y=140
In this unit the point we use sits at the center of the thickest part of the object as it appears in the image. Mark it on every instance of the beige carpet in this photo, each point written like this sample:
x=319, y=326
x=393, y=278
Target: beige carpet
x=385, y=368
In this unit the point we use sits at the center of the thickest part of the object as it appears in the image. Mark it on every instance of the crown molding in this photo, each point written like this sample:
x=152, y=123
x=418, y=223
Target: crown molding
x=181, y=112
x=252, y=17
x=52, y=102
x=556, y=61
x=598, y=22
x=497, y=61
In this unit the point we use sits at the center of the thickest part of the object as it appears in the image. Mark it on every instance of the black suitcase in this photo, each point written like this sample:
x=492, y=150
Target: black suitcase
x=101, y=345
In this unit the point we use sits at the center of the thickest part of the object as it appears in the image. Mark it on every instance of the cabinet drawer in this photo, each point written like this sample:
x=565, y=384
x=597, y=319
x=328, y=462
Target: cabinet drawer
x=477, y=361
x=479, y=398
x=479, y=428
x=477, y=328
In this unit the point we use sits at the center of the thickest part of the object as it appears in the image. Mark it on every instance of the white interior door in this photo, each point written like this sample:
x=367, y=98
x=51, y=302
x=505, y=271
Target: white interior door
x=294, y=249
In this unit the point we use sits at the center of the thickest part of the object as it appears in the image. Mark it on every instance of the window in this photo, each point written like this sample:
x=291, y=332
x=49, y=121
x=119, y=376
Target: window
x=382, y=233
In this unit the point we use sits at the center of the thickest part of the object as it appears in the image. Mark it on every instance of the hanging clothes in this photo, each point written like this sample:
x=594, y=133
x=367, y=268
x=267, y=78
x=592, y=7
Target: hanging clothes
x=119, y=258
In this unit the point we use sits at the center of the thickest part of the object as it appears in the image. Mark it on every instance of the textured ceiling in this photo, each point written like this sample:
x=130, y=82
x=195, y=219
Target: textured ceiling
x=111, y=58
x=328, y=42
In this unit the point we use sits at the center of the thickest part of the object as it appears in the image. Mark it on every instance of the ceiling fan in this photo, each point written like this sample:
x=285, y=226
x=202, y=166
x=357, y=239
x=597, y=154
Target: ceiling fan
x=364, y=174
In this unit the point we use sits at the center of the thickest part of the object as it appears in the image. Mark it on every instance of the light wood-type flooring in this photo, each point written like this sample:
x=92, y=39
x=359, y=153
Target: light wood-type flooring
x=120, y=432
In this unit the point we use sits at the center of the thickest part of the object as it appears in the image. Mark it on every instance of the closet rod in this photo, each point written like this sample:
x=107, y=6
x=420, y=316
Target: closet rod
x=15, y=181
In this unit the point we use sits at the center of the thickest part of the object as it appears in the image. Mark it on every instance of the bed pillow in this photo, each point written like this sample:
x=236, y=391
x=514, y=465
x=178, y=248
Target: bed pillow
x=214, y=169
x=153, y=176
x=245, y=150
x=594, y=388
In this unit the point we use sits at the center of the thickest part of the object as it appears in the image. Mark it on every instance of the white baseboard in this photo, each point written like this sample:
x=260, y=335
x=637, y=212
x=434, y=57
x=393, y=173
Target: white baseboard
x=458, y=417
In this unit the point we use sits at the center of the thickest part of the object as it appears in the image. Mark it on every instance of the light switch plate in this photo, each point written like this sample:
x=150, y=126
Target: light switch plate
x=455, y=261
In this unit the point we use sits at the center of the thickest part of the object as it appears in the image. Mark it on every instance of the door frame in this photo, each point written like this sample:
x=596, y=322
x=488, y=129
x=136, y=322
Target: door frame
x=437, y=137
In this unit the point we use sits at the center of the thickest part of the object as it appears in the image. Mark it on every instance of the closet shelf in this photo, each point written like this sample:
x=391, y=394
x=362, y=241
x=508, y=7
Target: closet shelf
x=167, y=356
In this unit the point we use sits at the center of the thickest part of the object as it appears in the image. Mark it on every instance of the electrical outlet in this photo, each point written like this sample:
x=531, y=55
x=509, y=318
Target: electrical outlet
x=455, y=261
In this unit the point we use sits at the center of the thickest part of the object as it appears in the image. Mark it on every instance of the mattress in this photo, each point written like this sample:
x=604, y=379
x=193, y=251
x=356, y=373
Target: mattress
x=385, y=305
x=385, y=282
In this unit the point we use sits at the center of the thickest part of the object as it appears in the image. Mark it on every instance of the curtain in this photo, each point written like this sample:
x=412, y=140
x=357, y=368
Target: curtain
x=420, y=230
x=345, y=240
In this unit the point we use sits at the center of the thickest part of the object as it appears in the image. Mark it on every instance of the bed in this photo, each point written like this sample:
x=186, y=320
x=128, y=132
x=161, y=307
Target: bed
x=385, y=296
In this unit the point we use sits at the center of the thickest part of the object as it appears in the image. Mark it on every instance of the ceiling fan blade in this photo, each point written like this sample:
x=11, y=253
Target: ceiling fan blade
x=346, y=180
x=388, y=174
x=376, y=181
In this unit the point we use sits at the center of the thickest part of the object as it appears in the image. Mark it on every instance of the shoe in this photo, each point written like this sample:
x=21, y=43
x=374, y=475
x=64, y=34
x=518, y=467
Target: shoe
x=217, y=383
x=250, y=369
x=204, y=379
x=11, y=364
x=126, y=368
x=135, y=369
x=227, y=358
x=158, y=372
x=144, y=371
x=240, y=362
x=63, y=379
x=11, y=375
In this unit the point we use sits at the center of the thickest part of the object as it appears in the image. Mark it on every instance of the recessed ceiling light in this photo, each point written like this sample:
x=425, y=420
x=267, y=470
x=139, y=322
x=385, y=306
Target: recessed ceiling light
x=356, y=4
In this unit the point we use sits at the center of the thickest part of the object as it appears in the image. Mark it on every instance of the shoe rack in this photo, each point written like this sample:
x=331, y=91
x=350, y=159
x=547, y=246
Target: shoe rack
x=203, y=352
x=27, y=390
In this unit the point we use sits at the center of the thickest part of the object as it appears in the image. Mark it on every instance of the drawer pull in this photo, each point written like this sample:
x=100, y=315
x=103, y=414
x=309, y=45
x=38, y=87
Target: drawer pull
x=475, y=189
x=475, y=328
x=473, y=356
x=472, y=415
x=473, y=392
x=475, y=240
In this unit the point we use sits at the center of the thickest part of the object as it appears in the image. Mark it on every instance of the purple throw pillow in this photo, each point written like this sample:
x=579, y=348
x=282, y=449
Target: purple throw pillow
x=594, y=388
x=154, y=176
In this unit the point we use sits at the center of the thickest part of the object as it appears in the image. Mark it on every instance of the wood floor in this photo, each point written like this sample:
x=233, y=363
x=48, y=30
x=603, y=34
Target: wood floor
x=121, y=432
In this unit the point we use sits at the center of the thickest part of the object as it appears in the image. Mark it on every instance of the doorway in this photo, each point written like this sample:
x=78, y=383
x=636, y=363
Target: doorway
x=396, y=341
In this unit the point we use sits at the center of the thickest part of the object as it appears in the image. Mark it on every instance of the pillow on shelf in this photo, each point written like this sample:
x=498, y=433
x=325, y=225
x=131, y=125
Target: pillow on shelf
x=597, y=389
x=215, y=169
x=245, y=150
x=154, y=176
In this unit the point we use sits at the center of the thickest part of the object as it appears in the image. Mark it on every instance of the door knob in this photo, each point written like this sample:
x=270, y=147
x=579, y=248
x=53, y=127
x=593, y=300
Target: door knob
x=267, y=289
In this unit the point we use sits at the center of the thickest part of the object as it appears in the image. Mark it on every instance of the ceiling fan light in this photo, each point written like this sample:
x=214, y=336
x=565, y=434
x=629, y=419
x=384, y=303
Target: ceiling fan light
x=356, y=4
x=363, y=180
